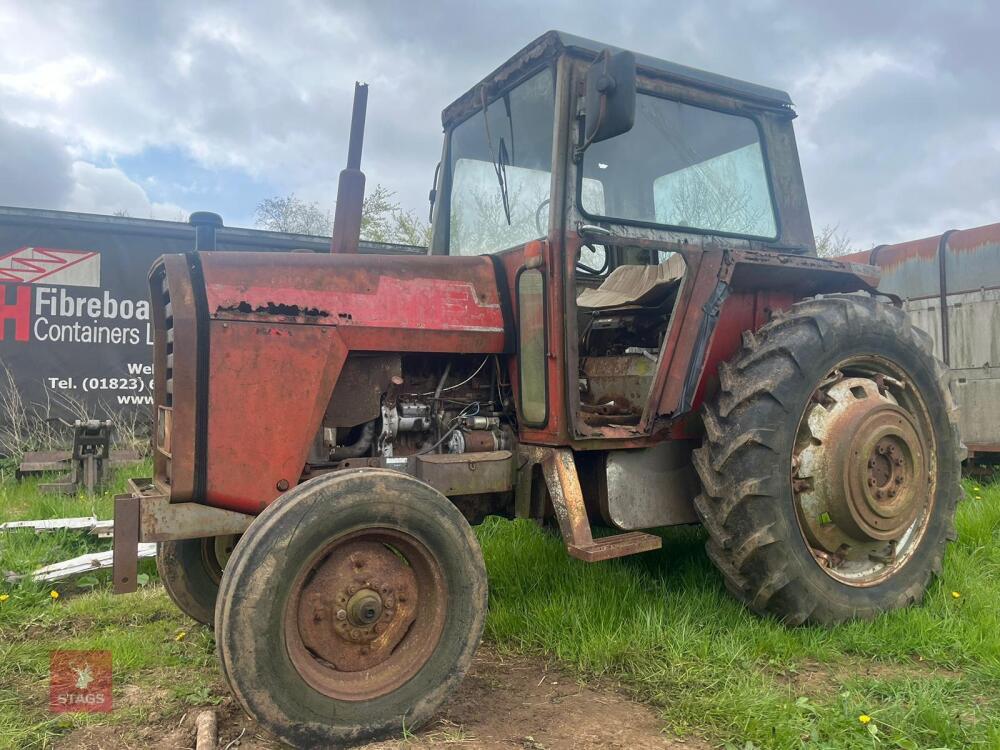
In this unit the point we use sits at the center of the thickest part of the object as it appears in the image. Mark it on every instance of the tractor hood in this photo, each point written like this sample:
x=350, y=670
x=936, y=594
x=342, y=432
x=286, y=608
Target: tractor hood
x=376, y=302
x=248, y=348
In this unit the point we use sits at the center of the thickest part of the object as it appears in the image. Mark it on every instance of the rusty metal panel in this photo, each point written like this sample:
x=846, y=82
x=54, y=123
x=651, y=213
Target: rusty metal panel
x=972, y=260
x=625, y=379
x=978, y=396
x=652, y=487
x=378, y=303
x=974, y=327
x=269, y=387
x=950, y=284
x=559, y=469
x=358, y=394
x=125, y=555
x=467, y=473
x=175, y=343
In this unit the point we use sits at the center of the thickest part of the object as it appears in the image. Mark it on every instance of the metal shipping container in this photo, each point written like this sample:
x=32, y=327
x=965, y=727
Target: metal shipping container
x=950, y=286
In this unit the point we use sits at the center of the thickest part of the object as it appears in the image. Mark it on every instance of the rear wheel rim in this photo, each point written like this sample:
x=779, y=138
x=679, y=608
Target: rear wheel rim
x=863, y=471
x=215, y=553
x=365, y=614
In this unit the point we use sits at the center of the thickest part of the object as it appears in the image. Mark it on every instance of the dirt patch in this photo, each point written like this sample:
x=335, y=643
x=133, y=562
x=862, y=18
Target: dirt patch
x=526, y=703
x=504, y=703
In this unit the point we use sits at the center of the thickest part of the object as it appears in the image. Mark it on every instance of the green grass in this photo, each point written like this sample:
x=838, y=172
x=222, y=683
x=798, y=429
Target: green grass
x=664, y=626
x=661, y=624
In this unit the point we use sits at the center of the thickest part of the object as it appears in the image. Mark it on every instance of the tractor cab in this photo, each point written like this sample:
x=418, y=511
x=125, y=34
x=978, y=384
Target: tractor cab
x=598, y=179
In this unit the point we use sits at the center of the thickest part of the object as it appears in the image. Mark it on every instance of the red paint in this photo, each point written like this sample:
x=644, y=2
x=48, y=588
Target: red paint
x=745, y=311
x=393, y=303
x=266, y=402
x=18, y=311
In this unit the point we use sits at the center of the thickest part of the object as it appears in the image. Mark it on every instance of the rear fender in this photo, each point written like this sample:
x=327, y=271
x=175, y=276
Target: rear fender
x=736, y=291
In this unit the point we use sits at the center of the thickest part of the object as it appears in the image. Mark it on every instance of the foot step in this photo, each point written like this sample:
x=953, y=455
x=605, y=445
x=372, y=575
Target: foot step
x=618, y=545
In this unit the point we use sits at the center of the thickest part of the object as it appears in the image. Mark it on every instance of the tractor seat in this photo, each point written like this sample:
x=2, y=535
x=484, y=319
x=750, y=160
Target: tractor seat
x=634, y=286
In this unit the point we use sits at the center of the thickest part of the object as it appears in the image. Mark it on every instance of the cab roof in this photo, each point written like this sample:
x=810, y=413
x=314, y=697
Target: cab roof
x=553, y=43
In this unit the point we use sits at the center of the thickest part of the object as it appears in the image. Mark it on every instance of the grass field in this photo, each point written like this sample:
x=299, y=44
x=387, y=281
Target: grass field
x=660, y=624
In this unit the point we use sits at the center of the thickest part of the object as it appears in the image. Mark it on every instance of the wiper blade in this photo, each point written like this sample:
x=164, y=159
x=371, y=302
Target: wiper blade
x=499, y=161
x=503, y=159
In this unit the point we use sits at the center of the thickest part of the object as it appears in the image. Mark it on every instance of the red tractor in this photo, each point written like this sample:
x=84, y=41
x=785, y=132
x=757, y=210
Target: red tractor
x=621, y=320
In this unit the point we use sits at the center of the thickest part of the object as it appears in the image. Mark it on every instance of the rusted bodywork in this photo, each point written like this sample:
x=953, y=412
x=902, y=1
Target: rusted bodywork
x=355, y=414
x=275, y=334
x=950, y=287
x=272, y=369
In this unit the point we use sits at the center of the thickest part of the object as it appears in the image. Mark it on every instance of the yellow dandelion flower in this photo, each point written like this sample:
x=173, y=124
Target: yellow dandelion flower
x=865, y=719
x=181, y=636
x=54, y=594
x=4, y=597
x=956, y=594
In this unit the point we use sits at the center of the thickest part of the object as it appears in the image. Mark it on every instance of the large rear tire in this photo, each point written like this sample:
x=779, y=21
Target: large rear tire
x=351, y=608
x=831, y=464
x=191, y=569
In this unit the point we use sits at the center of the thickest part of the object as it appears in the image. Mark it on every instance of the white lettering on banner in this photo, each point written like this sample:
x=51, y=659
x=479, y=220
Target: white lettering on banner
x=82, y=333
x=57, y=302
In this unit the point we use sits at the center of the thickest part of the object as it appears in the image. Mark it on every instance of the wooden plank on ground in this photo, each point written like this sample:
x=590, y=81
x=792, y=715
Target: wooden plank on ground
x=79, y=565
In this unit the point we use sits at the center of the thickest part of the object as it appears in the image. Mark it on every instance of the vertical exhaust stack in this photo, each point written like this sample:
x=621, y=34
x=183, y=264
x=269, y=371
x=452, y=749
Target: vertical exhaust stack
x=351, y=187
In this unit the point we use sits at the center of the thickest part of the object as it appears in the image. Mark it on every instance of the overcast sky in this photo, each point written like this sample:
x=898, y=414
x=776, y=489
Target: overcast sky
x=162, y=108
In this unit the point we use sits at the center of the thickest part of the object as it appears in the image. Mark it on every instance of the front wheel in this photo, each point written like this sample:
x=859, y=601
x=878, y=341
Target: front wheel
x=191, y=569
x=351, y=608
x=831, y=464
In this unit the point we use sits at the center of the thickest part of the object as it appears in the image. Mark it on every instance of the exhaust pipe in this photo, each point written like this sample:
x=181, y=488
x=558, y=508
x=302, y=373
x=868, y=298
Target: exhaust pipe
x=351, y=187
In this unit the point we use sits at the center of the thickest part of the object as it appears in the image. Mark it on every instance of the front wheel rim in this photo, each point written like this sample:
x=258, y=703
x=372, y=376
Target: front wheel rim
x=365, y=614
x=863, y=471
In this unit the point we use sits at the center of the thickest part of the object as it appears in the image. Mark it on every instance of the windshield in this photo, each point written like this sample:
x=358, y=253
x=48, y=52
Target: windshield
x=500, y=175
x=683, y=166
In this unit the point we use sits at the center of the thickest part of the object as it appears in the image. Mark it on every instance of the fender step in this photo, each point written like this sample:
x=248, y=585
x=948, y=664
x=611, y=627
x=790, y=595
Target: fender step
x=618, y=545
x=559, y=469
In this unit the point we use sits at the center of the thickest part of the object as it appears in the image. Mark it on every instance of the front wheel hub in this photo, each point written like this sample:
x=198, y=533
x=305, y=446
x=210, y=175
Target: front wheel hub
x=861, y=477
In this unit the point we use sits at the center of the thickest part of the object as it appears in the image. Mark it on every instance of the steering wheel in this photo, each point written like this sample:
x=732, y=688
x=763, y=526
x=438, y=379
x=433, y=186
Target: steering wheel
x=538, y=217
x=584, y=268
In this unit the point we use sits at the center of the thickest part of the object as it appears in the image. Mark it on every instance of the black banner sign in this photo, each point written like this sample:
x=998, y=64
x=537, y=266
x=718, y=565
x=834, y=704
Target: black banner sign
x=75, y=331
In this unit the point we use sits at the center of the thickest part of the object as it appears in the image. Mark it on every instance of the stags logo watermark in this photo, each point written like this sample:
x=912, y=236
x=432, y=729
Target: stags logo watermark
x=80, y=681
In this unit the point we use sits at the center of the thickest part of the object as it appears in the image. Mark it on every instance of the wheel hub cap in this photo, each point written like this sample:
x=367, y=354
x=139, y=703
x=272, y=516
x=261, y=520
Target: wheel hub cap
x=358, y=606
x=863, y=479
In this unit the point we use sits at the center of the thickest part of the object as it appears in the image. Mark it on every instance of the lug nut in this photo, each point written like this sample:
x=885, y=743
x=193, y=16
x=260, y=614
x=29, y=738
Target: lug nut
x=879, y=494
x=899, y=479
x=899, y=462
x=892, y=492
x=871, y=481
x=341, y=614
x=871, y=464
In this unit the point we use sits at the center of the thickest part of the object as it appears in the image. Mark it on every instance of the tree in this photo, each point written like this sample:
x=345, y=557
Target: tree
x=292, y=214
x=382, y=218
x=831, y=243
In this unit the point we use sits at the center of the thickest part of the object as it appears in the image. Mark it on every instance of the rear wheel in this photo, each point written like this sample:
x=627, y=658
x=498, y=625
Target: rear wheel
x=191, y=570
x=351, y=608
x=830, y=467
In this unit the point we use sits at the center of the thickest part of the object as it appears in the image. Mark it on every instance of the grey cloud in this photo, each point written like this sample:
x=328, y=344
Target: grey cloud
x=35, y=169
x=267, y=86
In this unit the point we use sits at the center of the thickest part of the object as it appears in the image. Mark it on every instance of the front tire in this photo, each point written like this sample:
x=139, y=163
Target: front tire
x=831, y=464
x=351, y=608
x=191, y=570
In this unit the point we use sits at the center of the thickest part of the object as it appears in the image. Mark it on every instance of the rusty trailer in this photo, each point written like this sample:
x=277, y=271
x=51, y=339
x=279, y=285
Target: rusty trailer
x=950, y=287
